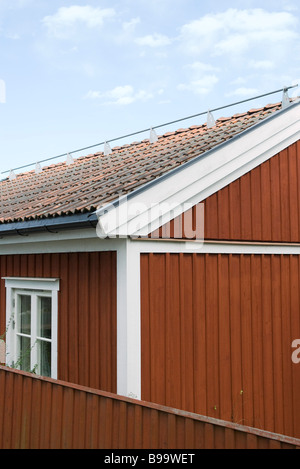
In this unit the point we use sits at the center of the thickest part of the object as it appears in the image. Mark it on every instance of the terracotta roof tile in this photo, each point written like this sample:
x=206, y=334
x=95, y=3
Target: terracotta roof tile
x=96, y=179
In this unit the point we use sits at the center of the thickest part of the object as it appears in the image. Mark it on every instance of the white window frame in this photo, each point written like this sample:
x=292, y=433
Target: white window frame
x=34, y=287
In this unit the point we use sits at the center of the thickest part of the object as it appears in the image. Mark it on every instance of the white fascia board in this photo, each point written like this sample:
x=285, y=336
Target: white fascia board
x=143, y=211
x=84, y=240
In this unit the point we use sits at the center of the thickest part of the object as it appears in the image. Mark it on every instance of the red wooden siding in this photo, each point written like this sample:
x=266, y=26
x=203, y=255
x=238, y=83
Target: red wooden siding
x=262, y=205
x=217, y=333
x=86, y=311
x=37, y=413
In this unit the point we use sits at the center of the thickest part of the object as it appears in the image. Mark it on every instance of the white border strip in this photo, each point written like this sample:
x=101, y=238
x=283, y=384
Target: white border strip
x=69, y=242
x=128, y=321
x=189, y=247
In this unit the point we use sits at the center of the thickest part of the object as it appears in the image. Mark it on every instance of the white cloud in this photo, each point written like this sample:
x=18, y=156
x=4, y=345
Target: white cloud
x=129, y=26
x=93, y=95
x=243, y=92
x=261, y=64
x=88, y=68
x=202, y=86
x=13, y=36
x=234, y=43
x=290, y=7
x=62, y=24
x=153, y=40
x=201, y=67
x=120, y=95
x=238, y=81
x=235, y=31
x=202, y=77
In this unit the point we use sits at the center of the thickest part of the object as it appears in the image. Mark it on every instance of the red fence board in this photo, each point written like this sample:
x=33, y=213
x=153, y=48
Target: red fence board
x=40, y=413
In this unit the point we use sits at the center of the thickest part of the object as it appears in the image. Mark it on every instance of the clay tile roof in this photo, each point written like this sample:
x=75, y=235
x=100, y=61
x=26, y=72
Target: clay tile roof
x=95, y=180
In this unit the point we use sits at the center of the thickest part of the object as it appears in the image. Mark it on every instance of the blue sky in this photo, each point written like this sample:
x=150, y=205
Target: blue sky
x=81, y=72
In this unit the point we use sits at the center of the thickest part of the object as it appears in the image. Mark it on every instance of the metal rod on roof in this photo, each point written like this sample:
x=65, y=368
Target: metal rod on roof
x=154, y=127
x=228, y=105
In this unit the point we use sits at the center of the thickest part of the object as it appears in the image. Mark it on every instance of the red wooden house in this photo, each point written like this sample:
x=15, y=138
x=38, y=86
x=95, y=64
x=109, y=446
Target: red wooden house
x=165, y=271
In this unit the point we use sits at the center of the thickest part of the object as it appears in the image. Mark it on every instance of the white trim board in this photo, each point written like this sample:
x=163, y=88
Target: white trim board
x=64, y=242
x=36, y=245
x=128, y=321
x=32, y=283
x=143, y=211
x=207, y=247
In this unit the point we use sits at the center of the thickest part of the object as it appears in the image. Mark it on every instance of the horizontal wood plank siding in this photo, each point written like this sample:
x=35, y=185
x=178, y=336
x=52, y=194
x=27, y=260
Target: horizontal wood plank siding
x=263, y=205
x=217, y=333
x=37, y=413
x=86, y=311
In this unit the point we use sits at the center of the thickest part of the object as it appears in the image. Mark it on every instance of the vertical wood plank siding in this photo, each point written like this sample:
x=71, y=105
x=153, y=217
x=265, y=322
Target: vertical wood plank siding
x=86, y=311
x=262, y=205
x=39, y=413
x=217, y=333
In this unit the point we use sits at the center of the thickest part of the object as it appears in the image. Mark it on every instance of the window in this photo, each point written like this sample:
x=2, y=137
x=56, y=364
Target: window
x=31, y=325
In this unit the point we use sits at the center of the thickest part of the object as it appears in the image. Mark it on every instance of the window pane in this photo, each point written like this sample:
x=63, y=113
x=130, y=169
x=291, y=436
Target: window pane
x=23, y=359
x=24, y=314
x=44, y=317
x=44, y=358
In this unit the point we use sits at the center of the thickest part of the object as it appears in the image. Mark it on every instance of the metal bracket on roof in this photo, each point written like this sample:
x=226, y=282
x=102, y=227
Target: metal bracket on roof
x=38, y=168
x=70, y=159
x=21, y=234
x=285, y=99
x=93, y=224
x=107, y=149
x=12, y=175
x=210, y=120
x=153, y=136
x=50, y=231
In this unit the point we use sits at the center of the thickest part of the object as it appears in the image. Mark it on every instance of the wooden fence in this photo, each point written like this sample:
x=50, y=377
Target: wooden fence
x=41, y=413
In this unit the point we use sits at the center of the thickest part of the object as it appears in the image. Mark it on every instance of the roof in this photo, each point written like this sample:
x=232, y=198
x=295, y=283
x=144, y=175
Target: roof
x=98, y=179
